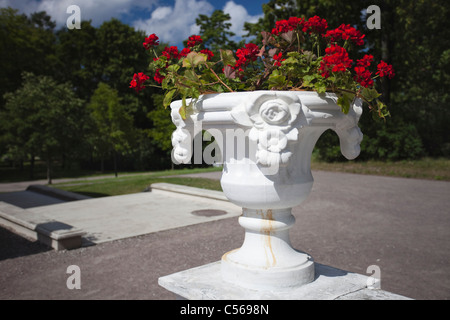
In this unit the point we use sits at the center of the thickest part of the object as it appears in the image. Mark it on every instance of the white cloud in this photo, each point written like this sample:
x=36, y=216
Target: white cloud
x=177, y=23
x=96, y=10
x=239, y=15
x=172, y=24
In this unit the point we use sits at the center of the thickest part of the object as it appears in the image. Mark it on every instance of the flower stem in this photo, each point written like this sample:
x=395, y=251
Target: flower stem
x=220, y=80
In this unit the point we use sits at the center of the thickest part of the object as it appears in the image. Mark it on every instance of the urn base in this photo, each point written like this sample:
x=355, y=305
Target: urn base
x=260, y=278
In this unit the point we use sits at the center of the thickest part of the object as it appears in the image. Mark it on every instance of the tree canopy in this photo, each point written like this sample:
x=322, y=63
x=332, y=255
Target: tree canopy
x=64, y=94
x=43, y=118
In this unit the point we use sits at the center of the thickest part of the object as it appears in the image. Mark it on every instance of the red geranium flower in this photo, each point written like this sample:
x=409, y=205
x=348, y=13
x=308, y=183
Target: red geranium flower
x=315, y=25
x=345, y=32
x=284, y=26
x=335, y=60
x=151, y=41
x=365, y=62
x=385, y=69
x=185, y=52
x=138, y=81
x=278, y=60
x=246, y=54
x=194, y=40
x=208, y=53
x=171, y=52
x=158, y=77
x=281, y=26
x=363, y=77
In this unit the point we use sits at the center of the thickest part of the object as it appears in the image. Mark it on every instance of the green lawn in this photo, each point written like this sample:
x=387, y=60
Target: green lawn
x=96, y=185
x=427, y=168
x=126, y=184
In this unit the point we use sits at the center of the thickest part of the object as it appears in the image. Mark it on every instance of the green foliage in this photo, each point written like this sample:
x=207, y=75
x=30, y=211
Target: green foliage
x=162, y=125
x=26, y=44
x=215, y=31
x=281, y=62
x=42, y=118
x=393, y=142
x=113, y=129
x=414, y=38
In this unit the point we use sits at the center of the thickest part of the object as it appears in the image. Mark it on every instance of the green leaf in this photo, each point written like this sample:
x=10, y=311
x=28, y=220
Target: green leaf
x=276, y=80
x=290, y=60
x=186, y=63
x=227, y=57
x=182, y=109
x=173, y=68
x=344, y=102
x=196, y=58
x=320, y=87
x=383, y=111
x=191, y=75
x=168, y=97
x=370, y=94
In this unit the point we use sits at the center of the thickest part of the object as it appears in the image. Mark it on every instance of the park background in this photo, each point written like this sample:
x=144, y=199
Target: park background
x=66, y=108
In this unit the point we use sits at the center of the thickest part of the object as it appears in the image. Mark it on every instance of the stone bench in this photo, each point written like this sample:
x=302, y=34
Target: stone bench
x=52, y=233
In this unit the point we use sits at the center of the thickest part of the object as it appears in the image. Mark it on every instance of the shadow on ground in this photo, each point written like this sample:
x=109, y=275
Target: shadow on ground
x=13, y=246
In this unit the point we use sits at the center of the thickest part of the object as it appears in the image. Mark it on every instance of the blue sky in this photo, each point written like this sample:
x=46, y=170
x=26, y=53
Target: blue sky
x=172, y=20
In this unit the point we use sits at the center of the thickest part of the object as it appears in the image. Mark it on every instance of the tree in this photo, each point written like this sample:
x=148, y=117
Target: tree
x=76, y=53
x=215, y=31
x=42, y=118
x=26, y=44
x=113, y=126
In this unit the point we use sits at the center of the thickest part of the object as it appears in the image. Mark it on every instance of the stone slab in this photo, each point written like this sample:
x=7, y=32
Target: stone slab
x=118, y=217
x=205, y=283
x=53, y=233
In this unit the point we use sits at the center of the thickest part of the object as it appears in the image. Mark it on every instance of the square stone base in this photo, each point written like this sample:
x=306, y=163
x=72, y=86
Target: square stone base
x=205, y=283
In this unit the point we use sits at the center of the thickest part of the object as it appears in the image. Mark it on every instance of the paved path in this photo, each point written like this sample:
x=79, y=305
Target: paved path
x=349, y=222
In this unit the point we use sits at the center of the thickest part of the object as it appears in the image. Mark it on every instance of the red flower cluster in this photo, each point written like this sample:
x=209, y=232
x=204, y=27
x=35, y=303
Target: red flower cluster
x=335, y=60
x=385, y=69
x=138, y=81
x=193, y=41
x=278, y=60
x=365, y=62
x=315, y=25
x=363, y=75
x=184, y=52
x=150, y=41
x=171, y=53
x=345, y=32
x=208, y=52
x=158, y=77
x=284, y=26
x=246, y=55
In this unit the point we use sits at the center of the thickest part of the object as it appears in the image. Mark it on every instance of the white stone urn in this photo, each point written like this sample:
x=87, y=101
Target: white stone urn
x=266, y=139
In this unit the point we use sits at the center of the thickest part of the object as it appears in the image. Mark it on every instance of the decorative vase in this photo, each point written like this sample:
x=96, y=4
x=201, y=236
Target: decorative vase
x=265, y=140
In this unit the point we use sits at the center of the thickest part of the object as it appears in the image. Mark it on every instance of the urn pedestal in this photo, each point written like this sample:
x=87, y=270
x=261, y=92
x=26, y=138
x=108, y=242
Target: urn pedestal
x=265, y=140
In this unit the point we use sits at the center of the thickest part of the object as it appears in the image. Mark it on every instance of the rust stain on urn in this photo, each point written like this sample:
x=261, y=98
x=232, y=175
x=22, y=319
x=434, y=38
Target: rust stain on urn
x=267, y=230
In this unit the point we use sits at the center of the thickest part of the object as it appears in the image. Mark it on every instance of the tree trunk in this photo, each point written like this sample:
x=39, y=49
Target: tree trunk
x=115, y=163
x=32, y=167
x=102, y=165
x=49, y=170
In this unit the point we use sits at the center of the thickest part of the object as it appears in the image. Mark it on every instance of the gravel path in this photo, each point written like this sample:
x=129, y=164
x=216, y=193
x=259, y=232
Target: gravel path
x=349, y=221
